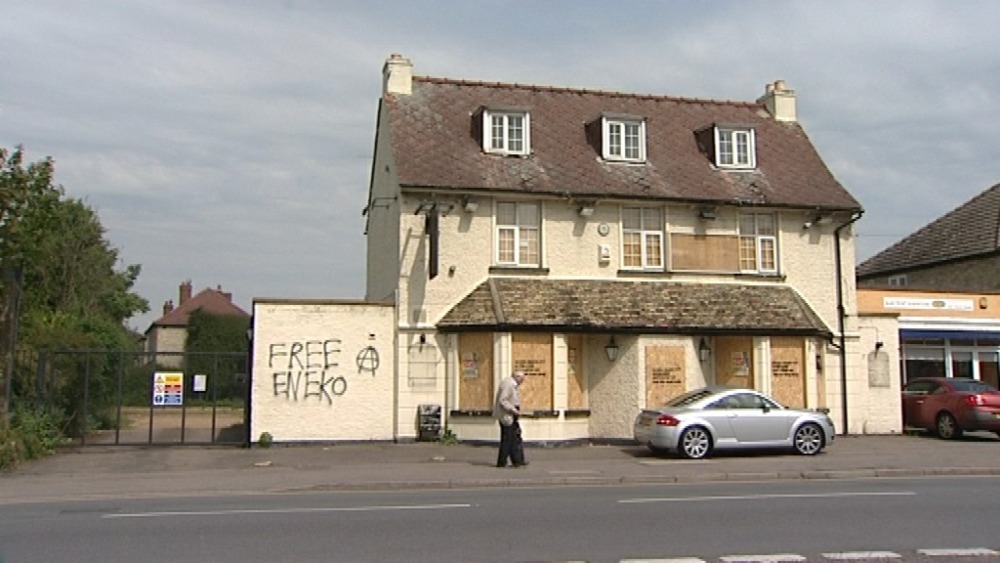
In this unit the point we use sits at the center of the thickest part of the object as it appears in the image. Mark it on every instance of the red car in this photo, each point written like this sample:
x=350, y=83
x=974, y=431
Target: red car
x=949, y=405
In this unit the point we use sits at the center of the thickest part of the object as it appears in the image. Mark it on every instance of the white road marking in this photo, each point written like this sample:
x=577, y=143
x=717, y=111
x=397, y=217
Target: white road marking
x=865, y=555
x=973, y=551
x=674, y=560
x=575, y=472
x=757, y=497
x=284, y=511
x=776, y=558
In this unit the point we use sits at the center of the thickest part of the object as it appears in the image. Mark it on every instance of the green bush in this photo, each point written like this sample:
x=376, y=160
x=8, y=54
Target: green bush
x=31, y=434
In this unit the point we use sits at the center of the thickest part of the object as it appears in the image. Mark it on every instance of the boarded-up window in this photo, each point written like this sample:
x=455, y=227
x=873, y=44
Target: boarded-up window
x=475, y=377
x=532, y=354
x=421, y=364
x=734, y=361
x=788, y=375
x=576, y=386
x=665, y=374
x=714, y=253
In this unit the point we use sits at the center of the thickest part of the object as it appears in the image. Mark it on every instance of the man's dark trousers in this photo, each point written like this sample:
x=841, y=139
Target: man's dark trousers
x=510, y=445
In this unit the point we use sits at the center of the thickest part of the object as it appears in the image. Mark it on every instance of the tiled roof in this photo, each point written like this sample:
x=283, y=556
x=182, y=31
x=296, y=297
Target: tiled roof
x=208, y=300
x=435, y=146
x=968, y=230
x=636, y=306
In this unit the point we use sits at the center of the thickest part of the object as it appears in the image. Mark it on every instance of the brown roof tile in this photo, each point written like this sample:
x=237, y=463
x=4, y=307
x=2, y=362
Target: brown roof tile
x=636, y=306
x=435, y=147
x=209, y=300
x=968, y=230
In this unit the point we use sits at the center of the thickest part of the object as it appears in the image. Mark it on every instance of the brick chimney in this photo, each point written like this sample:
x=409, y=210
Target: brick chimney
x=167, y=307
x=397, y=75
x=185, y=293
x=779, y=101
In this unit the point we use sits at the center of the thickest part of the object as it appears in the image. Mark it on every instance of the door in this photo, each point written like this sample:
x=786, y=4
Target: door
x=755, y=420
x=915, y=395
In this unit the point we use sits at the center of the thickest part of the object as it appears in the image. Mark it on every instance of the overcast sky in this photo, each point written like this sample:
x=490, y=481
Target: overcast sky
x=230, y=142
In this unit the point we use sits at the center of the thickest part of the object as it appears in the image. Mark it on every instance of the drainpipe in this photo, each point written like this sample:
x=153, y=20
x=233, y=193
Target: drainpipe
x=841, y=315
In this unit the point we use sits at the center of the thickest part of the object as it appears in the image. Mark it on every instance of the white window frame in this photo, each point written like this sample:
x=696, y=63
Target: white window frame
x=518, y=231
x=615, y=129
x=735, y=137
x=504, y=143
x=762, y=243
x=647, y=233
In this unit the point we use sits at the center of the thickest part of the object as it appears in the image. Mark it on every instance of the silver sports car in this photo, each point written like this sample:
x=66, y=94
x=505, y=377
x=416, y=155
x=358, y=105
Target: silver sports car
x=699, y=421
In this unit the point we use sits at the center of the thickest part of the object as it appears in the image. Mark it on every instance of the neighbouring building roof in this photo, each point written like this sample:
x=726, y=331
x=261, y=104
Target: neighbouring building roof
x=212, y=301
x=500, y=304
x=969, y=230
x=436, y=146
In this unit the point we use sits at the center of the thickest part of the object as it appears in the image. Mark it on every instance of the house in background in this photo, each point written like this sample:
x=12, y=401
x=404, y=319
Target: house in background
x=166, y=336
x=943, y=285
x=618, y=248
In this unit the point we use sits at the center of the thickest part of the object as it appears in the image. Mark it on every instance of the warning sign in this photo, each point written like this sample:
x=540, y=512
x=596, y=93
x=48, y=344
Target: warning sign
x=168, y=389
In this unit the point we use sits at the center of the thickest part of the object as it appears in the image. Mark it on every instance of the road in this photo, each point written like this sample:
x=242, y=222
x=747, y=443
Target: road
x=708, y=522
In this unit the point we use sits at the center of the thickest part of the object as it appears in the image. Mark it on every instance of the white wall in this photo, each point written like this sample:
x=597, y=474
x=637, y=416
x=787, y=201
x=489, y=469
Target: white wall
x=322, y=371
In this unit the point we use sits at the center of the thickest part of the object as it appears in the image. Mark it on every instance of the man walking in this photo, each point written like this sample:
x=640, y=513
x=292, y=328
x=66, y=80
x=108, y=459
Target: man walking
x=507, y=410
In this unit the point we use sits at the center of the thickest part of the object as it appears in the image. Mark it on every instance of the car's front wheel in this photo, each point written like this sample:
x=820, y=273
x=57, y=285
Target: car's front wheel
x=808, y=439
x=695, y=443
x=947, y=427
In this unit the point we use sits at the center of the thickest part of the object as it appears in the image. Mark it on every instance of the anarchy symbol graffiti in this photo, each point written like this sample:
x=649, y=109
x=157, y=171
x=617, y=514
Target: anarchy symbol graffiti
x=368, y=360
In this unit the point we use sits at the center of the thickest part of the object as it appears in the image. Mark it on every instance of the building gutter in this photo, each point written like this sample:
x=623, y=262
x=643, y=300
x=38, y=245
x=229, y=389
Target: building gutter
x=841, y=314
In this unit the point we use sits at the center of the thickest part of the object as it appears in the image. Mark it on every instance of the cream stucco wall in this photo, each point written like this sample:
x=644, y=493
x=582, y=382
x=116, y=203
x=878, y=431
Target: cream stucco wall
x=322, y=371
x=382, y=217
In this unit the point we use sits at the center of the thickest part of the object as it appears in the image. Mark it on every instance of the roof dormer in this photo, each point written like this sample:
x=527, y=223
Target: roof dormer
x=622, y=137
x=729, y=146
x=506, y=131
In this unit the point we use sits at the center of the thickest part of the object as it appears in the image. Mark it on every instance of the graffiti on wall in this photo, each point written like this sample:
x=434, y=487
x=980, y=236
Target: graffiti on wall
x=305, y=371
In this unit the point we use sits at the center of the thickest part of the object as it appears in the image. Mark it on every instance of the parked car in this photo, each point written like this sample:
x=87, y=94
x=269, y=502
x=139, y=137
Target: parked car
x=703, y=420
x=948, y=406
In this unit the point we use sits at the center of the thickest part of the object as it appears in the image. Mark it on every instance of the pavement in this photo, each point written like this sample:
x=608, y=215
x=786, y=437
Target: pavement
x=108, y=472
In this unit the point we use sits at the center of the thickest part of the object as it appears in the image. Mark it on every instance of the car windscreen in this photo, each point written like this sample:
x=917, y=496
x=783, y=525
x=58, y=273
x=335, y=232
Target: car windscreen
x=971, y=385
x=688, y=398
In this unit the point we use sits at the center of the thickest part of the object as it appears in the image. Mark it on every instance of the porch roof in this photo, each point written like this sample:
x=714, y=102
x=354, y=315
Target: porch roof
x=525, y=304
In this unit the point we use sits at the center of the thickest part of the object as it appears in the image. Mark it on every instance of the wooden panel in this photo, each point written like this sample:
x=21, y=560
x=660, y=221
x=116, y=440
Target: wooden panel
x=734, y=361
x=665, y=374
x=705, y=252
x=532, y=354
x=576, y=385
x=475, y=377
x=788, y=374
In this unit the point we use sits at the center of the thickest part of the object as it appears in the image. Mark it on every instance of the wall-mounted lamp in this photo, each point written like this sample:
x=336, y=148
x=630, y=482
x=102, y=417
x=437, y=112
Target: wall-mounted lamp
x=704, y=352
x=469, y=205
x=611, y=350
x=708, y=214
x=423, y=339
x=586, y=210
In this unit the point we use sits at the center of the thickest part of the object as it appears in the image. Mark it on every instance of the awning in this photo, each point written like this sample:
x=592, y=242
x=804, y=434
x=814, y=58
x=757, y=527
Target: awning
x=931, y=334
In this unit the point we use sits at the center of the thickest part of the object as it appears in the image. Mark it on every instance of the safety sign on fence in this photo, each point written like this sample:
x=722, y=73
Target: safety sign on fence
x=168, y=389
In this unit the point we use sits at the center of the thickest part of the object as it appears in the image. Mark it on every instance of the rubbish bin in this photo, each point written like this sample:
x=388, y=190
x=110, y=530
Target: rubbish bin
x=429, y=422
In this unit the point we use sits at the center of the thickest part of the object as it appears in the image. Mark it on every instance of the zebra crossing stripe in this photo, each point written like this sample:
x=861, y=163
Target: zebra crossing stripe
x=674, y=560
x=972, y=551
x=862, y=555
x=777, y=558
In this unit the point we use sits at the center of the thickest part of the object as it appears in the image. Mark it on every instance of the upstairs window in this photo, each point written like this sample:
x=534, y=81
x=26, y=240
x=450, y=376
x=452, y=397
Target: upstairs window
x=642, y=238
x=734, y=147
x=758, y=243
x=517, y=234
x=506, y=132
x=624, y=139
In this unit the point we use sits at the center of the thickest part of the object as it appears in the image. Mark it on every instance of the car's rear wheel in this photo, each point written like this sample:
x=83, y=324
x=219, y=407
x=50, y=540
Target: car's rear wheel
x=808, y=439
x=695, y=443
x=947, y=427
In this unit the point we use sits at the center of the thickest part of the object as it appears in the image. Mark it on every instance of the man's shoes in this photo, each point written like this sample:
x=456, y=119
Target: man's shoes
x=502, y=466
x=522, y=464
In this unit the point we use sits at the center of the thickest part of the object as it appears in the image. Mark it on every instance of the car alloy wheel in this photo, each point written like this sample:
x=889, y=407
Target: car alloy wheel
x=695, y=443
x=808, y=439
x=947, y=426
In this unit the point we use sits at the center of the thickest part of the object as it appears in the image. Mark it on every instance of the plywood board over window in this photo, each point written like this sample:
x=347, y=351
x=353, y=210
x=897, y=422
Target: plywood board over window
x=665, y=374
x=532, y=354
x=576, y=386
x=710, y=253
x=788, y=374
x=734, y=361
x=475, y=371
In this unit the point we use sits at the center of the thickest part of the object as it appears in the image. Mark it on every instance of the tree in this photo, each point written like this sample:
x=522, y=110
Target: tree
x=72, y=297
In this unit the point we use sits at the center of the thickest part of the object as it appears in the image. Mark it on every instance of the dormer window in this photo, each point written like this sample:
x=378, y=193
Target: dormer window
x=624, y=139
x=734, y=147
x=506, y=132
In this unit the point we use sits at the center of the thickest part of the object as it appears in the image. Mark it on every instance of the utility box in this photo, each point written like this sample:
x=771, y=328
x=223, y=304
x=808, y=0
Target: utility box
x=429, y=422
